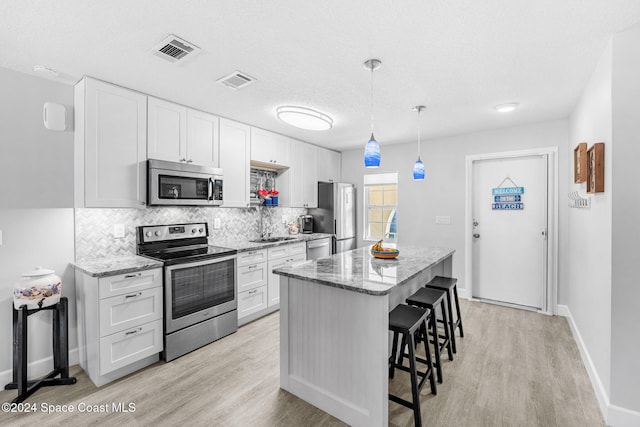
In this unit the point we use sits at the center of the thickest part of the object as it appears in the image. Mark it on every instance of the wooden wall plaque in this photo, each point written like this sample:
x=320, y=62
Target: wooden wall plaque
x=580, y=163
x=595, y=168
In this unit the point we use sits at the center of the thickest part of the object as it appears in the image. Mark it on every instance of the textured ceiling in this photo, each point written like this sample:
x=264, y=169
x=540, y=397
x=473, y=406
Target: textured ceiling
x=459, y=58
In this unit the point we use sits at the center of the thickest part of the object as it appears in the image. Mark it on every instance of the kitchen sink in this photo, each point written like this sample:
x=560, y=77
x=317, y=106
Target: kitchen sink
x=272, y=239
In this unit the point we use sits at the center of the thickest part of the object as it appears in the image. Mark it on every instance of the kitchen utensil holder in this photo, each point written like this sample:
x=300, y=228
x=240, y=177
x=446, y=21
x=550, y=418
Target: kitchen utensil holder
x=60, y=351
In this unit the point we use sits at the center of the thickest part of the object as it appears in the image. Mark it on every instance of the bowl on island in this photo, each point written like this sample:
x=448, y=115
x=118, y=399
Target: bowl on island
x=387, y=253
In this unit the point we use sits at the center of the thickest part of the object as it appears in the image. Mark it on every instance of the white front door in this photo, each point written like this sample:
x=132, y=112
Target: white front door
x=509, y=246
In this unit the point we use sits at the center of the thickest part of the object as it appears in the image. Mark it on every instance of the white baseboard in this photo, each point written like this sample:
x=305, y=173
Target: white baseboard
x=596, y=383
x=38, y=368
x=463, y=293
x=623, y=417
x=615, y=416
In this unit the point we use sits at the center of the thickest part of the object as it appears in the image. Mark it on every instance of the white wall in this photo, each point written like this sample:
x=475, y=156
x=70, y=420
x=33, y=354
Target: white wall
x=34, y=161
x=443, y=190
x=625, y=289
x=36, y=215
x=589, y=251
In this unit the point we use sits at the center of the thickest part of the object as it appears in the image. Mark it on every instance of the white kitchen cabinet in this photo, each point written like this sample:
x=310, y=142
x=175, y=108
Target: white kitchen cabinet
x=269, y=149
x=235, y=147
x=328, y=165
x=258, y=287
x=202, y=138
x=281, y=256
x=180, y=134
x=119, y=322
x=110, y=146
x=167, y=130
x=303, y=175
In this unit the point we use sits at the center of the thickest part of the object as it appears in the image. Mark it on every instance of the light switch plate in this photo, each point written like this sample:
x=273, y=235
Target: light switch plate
x=118, y=231
x=216, y=223
x=443, y=220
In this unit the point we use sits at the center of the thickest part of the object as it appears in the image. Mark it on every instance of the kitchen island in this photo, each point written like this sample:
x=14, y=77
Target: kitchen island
x=334, y=339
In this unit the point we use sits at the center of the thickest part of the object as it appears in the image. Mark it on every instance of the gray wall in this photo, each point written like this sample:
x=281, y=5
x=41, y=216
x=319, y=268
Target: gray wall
x=36, y=164
x=36, y=215
x=588, y=288
x=625, y=291
x=443, y=190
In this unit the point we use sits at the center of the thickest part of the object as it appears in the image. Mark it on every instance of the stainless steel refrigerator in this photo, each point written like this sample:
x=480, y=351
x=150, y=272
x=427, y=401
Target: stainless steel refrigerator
x=336, y=214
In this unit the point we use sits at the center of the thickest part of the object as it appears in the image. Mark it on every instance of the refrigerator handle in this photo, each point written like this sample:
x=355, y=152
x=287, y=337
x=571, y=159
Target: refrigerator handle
x=335, y=226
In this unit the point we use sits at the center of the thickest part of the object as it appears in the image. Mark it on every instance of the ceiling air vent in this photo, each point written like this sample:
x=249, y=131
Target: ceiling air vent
x=236, y=80
x=174, y=49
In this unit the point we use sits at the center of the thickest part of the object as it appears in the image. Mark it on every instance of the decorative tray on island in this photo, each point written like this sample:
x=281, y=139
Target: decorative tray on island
x=378, y=251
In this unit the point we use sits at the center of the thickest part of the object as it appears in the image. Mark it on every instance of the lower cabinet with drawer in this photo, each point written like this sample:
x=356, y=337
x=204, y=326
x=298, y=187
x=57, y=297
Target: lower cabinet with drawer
x=258, y=287
x=119, y=323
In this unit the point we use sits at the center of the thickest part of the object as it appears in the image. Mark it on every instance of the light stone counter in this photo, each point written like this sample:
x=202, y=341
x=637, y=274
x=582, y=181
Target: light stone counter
x=101, y=267
x=245, y=245
x=358, y=271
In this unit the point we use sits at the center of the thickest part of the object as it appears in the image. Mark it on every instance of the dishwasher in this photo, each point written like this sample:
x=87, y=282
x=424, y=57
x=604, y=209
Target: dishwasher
x=318, y=248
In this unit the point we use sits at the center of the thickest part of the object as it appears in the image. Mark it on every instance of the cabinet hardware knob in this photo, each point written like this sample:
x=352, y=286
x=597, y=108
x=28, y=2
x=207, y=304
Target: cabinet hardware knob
x=131, y=276
x=190, y=161
x=183, y=159
x=253, y=291
x=252, y=267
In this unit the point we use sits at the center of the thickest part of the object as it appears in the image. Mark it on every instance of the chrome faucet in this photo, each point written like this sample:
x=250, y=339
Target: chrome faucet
x=262, y=233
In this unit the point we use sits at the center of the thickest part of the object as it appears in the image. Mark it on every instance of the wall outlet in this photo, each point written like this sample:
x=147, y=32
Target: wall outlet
x=216, y=223
x=118, y=231
x=443, y=220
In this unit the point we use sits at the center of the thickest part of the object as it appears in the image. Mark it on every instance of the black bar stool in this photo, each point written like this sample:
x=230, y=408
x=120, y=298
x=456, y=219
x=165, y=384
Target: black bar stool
x=449, y=284
x=430, y=299
x=407, y=320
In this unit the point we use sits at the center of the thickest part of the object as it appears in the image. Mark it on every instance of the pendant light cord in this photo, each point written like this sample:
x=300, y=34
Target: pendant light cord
x=371, y=97
x=419, y=131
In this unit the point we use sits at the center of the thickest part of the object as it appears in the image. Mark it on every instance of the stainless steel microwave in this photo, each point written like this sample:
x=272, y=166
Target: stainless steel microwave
x=182, y=184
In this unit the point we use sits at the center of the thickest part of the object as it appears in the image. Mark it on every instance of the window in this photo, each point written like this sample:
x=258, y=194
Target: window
x=381, y=205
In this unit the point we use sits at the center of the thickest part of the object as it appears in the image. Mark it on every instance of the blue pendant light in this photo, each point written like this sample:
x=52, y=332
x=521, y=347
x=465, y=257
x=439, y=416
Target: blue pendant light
x=418, y=167
x=372, y=149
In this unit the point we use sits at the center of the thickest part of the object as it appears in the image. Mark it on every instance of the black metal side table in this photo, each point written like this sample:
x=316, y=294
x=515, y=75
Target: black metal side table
x=60, y=351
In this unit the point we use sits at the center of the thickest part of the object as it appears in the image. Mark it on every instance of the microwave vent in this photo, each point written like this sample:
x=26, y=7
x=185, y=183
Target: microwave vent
x=174, y=49
x=236, y=80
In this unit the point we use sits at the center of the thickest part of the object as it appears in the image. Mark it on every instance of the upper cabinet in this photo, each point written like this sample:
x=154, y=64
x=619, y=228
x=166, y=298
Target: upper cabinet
x=328, y=165
x=181, y=134
x=110, y=145
x=235, y=145
x=303, y=175
x=269, y=149
x=202, y=138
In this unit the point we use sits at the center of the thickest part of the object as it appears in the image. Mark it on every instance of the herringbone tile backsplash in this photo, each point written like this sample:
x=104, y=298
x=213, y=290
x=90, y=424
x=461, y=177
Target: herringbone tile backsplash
x=94, y=227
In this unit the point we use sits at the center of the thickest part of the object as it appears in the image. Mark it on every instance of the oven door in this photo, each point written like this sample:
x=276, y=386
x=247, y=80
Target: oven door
x=198, y=291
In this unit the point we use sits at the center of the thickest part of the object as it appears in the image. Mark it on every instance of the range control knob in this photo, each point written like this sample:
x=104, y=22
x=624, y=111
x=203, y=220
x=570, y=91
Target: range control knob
x=200, y=230
x=193, y=230
x=148, y=234
x=157, y=233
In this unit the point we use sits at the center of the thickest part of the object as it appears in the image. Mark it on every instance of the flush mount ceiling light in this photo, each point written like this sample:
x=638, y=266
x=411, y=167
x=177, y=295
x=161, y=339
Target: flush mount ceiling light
x=418, y=167
x=372, y=149
x=304, y=118
x=506, y=108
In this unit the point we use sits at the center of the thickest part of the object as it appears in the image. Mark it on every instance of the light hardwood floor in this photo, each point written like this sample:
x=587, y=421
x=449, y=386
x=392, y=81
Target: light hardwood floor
x=513, y=368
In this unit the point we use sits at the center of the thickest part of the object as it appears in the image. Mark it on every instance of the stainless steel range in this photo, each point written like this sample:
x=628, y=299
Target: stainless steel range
x=200, y=292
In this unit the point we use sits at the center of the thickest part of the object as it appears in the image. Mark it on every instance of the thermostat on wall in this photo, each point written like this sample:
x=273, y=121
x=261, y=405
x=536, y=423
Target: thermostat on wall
x=55, y=116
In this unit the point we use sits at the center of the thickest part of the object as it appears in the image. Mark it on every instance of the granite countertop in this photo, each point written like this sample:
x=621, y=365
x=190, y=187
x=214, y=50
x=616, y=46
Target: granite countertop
x=102, y=267
x=244, y=245
x=358, y=271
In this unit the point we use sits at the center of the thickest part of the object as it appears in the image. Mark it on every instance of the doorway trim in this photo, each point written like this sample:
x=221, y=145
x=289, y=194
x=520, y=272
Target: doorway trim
x=550, y=299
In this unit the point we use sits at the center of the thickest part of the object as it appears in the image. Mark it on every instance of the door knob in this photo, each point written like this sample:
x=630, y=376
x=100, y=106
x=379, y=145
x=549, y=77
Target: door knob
x=476, y=235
